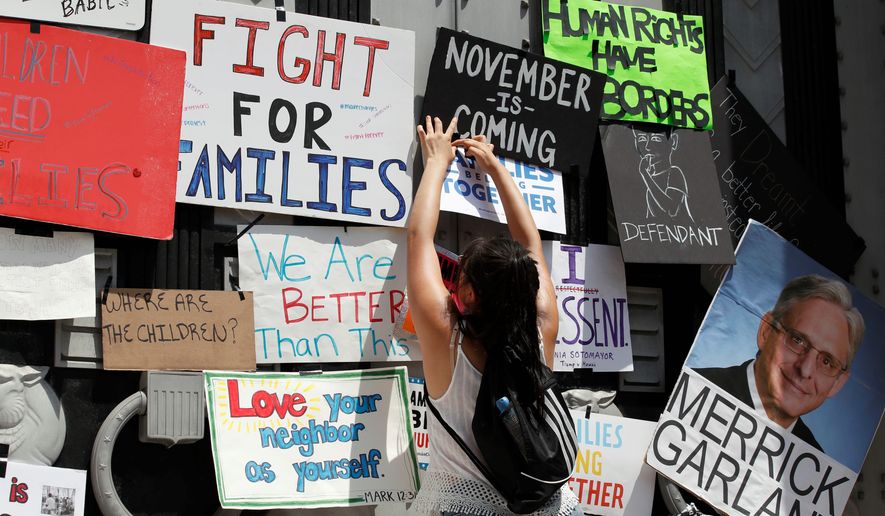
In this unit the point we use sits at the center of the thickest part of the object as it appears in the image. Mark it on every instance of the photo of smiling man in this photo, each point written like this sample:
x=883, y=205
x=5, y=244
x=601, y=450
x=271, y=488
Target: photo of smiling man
x=782, y=391
x=806, y=345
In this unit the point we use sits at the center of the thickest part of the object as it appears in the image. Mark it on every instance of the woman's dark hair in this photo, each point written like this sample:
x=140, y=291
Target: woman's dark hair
x=504, y=278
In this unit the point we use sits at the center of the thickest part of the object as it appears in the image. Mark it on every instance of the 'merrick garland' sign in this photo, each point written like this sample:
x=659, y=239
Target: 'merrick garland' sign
x=531, y=108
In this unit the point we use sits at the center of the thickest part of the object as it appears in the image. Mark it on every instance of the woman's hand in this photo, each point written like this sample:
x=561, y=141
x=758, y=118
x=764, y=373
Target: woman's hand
x=483, y=152
x=436, y=143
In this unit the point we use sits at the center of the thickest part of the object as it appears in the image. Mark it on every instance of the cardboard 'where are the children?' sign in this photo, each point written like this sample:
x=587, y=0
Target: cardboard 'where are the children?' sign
x=145, y=329
x=284, y=440
x=655, y=60
x=327, y=294
x=88, y=130
x=311, y=116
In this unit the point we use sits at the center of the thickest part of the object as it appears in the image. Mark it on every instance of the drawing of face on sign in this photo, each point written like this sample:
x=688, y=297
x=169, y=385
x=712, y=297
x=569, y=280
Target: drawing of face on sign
x=32, y=421
x=666, y=191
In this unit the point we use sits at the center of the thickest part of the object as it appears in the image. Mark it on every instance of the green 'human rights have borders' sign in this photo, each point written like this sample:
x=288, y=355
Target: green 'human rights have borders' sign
x=654, y=60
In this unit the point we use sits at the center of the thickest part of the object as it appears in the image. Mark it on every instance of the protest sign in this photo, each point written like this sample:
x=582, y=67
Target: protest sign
x=760, y=179
x=312, y=116
x=326, y=294
x=665, y=195
x=419, y=422
x=591, y=293
x=654, y=60
x=611, y=477
x=286, y=440
x=532, y=109
x=46, y=278
x=448, y=268
x=471, y=191
x=145, y=329
x=757, y=421
x=88, y=130
x=112, y=14
x=35, y=490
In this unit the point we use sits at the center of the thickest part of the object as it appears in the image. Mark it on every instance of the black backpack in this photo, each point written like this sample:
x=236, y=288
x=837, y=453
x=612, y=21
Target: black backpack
x=528, y=456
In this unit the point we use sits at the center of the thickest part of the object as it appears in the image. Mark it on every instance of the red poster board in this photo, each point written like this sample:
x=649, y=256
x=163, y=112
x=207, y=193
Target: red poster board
x=89, y=129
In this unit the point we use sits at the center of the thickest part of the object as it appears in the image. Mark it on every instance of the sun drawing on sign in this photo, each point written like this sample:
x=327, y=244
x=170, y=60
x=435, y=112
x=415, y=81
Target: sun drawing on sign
x=252, y=424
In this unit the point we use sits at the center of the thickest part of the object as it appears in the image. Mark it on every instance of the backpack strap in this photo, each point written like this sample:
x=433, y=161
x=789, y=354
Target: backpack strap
x=456, y=332
x=457, y=438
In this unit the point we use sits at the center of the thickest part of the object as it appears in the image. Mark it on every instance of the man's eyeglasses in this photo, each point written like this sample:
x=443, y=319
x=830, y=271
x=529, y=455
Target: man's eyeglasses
x=798, y=343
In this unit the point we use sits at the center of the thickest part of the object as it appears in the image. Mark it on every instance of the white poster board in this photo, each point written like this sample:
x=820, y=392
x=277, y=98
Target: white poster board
x=470, y=191
x=311, y=116
x=419, y=422
x=46, y=278
x=32, y=490
x=111, y=14
x=611, y=477
x=287, y=440
x=591, y=293
x=326, y=294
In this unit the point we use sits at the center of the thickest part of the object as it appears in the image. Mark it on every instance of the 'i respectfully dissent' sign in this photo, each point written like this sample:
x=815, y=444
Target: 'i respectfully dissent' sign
x=591, y=295
x=310, y=116
x=287, y=440
x=327, y=294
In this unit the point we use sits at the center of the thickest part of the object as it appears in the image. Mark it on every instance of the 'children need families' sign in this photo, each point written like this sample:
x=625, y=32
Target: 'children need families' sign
x=284, y=440
x=326, y=294
x=532, y=109
x=305, y=117
x=88, y=130
x=657, y=70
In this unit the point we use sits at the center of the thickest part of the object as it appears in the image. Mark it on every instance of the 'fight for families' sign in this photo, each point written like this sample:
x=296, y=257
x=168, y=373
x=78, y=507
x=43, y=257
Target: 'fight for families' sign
x=287, y=440
x=657, y=70
x=308, y=117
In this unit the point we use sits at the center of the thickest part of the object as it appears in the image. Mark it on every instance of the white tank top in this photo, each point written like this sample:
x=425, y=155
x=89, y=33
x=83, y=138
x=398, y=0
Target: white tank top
x=456, y=407
x=453, y=482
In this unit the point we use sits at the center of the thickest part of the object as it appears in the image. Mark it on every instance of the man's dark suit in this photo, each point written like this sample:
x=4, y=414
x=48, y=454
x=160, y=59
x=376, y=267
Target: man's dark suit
x=734, y=381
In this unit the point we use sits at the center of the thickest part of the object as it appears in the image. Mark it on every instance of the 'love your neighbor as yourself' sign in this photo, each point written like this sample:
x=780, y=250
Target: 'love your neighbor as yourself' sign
x=305, y=117
x=531, y=108
x=655, y=62
x=88, y=130
x=311, y=440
